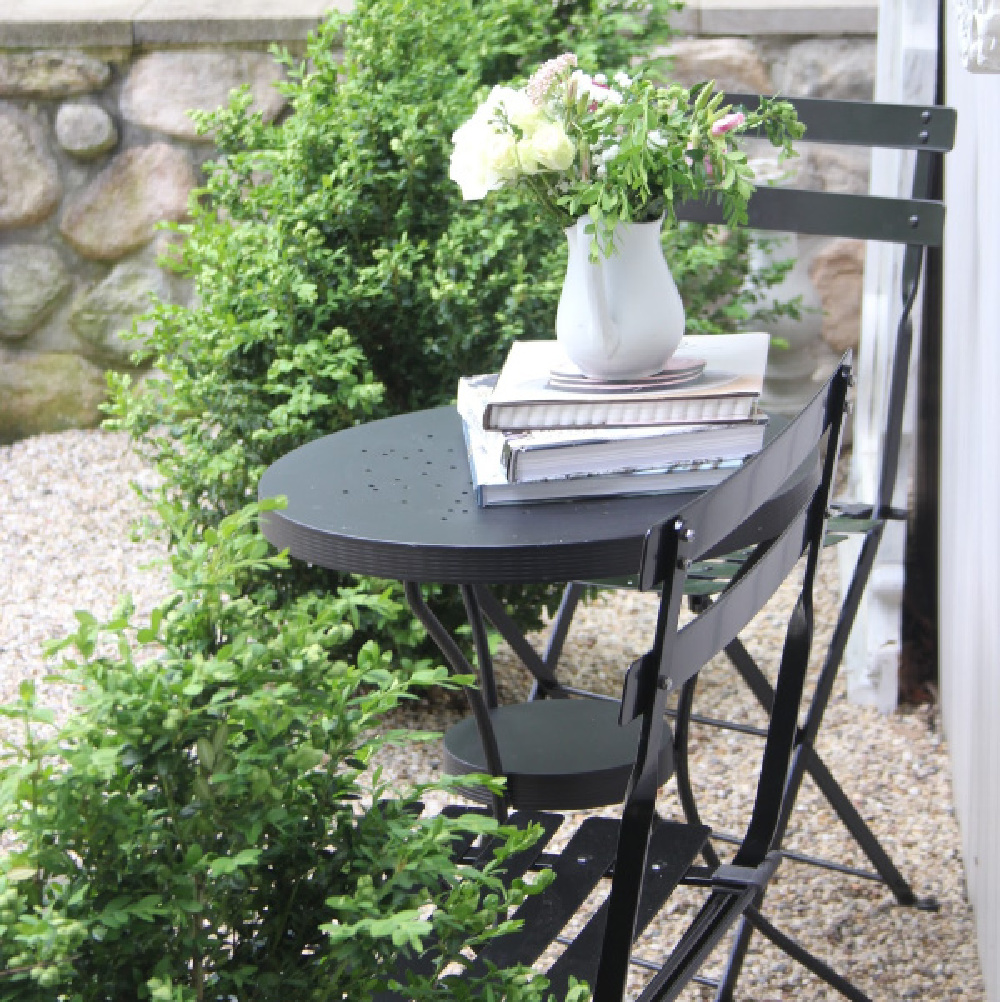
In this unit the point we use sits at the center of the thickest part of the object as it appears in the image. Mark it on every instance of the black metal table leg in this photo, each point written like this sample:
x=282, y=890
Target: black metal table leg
x=541, y=666
x=478, y=700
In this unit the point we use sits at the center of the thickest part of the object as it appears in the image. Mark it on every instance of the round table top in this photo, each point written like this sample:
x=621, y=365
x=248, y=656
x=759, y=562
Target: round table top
x=394, y=499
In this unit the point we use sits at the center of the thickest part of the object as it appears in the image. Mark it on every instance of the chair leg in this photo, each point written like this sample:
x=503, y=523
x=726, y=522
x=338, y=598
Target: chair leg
x=808, y=760
x=460, y=665
x=798, y=952
x=754, y=920
x=737, y=955
x=572, y=594
x=542, y=667
x=682, y=772
x=863, y=835
x=702, y=935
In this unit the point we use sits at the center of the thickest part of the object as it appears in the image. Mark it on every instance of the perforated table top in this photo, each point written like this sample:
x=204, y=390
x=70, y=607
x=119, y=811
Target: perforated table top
x=394, y=499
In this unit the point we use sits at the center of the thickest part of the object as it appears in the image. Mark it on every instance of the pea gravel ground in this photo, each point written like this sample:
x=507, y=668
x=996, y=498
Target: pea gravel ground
x=66, y=512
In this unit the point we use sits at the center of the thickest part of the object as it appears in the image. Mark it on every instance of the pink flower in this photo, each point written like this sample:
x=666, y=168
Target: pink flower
x=546, y=75
x=728, y=122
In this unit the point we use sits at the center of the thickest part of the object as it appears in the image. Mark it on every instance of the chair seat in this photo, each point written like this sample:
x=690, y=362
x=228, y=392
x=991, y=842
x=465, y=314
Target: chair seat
x=582, y=856
x=557, y=754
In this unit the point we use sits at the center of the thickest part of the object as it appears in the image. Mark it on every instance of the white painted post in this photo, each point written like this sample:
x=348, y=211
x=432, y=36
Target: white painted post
x=969, y=559
x=906, y=72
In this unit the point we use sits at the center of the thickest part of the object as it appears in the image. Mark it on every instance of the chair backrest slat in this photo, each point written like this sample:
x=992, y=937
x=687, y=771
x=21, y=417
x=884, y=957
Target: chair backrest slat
x=710, y=633
x=925, y=129
x=864, y=123
x=835, y=214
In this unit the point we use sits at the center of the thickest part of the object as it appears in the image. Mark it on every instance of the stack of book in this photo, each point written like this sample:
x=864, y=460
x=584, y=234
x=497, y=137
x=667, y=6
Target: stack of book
x=540, y=431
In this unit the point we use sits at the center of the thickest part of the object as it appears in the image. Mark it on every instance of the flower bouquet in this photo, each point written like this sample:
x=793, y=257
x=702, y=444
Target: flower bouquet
x=609, y=160
x=618, y=150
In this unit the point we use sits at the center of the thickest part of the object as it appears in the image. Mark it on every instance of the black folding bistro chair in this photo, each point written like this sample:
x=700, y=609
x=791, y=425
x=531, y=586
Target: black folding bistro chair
x=916, y=224
x=638, y=858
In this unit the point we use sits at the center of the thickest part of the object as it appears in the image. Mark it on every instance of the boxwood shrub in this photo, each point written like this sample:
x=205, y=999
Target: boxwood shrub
x=340, y=278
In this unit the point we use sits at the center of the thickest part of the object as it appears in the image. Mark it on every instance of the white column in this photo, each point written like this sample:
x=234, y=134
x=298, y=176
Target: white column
x=969, y=560
x=906, y=71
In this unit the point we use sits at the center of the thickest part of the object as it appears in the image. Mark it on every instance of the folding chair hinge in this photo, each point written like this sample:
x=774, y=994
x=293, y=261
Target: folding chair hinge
x=731, y=877
x=736, y=878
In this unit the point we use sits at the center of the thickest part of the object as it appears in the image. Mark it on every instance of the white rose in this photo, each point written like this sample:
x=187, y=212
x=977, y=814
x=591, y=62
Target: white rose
x=520, y=110
x=486, y=151
x=469, y=167
x=501, y=157
x=547, y=148
x=482, y=158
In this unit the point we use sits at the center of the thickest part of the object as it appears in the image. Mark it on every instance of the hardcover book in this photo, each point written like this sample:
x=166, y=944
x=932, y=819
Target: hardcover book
x=712, y=378
x=539, y=455
x=489, y=474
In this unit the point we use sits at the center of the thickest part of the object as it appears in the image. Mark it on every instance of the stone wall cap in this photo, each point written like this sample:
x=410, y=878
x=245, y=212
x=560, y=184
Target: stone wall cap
x=786, y=17
x=116, y=23
x=218, y=21
x=65, y=24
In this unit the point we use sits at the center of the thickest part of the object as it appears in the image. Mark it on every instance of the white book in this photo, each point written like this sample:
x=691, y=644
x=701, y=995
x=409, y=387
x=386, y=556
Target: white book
x=567, y=452
x=538, y=387
x=489, y=475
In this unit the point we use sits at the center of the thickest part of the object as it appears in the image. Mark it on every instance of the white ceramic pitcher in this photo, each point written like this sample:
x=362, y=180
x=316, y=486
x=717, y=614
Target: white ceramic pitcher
x=621, y=316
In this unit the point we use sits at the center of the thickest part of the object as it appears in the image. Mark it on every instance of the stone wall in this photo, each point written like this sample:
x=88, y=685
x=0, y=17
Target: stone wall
x=97, y=147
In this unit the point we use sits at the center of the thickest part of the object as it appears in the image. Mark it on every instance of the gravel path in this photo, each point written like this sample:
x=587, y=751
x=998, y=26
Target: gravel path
x=65, y=543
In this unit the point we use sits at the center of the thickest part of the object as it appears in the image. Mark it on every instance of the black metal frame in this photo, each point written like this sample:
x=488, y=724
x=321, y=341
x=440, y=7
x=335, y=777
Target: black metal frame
x=469, y=546
x=916, y=223
x=644, y=857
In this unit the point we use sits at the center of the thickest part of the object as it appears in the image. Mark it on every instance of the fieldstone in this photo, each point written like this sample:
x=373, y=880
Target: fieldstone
x=43, y=392
x=733, y=63
x=29, y=178
x=841, y=169
x=104, y=314
x=32, y=280
x=85, y=130
x=51, y=74
x=836, y=68
x=118, y=212
x=163, y=87
x=837, y=271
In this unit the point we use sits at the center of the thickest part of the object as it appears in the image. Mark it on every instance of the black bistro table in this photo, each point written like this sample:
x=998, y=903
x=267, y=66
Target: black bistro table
x=394, y=499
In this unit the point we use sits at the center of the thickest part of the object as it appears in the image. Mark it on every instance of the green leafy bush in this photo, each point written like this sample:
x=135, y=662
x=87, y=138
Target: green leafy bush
x=202, y=826
x=340, y=277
